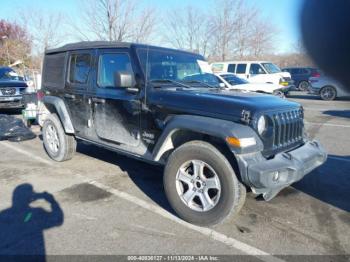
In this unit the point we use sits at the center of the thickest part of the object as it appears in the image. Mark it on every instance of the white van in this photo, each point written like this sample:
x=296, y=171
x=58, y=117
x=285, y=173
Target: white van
x=255, y=72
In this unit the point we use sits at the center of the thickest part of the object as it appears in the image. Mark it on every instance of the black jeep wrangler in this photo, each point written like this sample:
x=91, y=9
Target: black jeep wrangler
x=163, y=106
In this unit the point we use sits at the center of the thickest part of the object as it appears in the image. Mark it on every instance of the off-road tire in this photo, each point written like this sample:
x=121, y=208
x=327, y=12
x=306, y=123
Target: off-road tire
x=67, y=143
x=233, y=192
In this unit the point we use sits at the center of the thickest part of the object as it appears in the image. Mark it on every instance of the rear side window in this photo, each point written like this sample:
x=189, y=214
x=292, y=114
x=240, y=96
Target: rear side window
x=108, y=65
x=231, y=68
x=241, y=68
x=79, y=68
x=54, y=71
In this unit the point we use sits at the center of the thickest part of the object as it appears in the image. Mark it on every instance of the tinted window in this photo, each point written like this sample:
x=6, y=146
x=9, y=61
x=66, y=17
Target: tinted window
x=241, y=68
x=231, y=68
x=109, y=64
x=54, y=70
x=79, y=68
x=234, y=80
x=256, y=69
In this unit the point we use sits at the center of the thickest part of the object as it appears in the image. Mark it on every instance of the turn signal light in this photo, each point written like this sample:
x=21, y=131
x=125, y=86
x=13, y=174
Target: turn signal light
x=242, y=142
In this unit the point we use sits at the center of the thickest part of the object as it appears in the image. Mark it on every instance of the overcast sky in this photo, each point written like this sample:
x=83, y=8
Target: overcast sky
x=284, y=13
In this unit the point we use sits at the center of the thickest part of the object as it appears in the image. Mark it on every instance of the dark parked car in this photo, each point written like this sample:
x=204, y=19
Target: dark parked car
x=161, y=106
x=12, y=88
x=301, y=75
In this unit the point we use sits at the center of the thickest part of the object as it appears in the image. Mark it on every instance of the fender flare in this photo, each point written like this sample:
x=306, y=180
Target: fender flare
x=62, y=112
x=207, y=126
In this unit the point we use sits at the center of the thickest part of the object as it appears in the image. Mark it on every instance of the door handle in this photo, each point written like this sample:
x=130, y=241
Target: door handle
x=69, y=96
x=98, y=100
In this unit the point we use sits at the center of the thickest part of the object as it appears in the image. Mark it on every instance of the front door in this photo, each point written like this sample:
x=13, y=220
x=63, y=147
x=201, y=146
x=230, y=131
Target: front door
x=116, y=111
x=78, y=79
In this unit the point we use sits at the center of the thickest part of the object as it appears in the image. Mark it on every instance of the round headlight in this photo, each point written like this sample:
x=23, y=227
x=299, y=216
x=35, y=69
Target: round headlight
x=262, y=125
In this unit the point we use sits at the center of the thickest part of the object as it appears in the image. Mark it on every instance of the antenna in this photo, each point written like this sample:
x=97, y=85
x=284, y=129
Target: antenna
x=146, y=76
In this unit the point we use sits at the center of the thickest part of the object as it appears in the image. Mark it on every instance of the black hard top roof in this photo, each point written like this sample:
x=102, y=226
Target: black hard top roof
x=88, y=45
x=102, y=44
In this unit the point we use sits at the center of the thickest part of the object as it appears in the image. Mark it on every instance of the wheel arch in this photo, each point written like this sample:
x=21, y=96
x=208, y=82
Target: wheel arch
x=57, y=105
x=185, y=128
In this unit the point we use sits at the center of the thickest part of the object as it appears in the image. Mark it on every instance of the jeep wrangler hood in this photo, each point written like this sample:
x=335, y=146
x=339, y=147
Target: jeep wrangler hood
x=215, y=102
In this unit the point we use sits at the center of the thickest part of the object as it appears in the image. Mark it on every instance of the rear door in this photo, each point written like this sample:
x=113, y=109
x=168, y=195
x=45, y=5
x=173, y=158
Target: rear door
x=241, y=71
x=78, y=79
x=116, y=111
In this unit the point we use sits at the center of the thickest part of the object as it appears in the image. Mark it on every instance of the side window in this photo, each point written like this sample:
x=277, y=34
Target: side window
x=241, y=68
x=79, y=68
x=256, y=69
x=217, y=67
x=295, y=71
x=231, y=68
x=108, y=65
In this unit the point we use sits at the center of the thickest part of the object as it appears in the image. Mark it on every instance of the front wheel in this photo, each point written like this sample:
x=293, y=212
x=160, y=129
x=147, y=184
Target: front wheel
x=58, y=145
x=201, y=185
x=328, y=93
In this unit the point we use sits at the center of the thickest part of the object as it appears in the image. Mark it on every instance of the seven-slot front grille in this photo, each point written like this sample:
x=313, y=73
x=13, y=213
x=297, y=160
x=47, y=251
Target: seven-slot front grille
x=288, y=128
x=8, y=91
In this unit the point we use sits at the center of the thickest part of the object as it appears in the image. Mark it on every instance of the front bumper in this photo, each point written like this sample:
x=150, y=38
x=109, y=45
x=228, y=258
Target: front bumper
x=11, y=101
x=268, y=177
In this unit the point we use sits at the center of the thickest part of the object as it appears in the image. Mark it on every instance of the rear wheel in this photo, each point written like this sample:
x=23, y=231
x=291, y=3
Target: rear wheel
x=328, y=93
x=58, y=145
x=201, y=185
x=303, y=86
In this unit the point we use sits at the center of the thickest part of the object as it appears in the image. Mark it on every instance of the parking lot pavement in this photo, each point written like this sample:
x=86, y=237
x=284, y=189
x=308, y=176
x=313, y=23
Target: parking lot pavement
x=116, y=205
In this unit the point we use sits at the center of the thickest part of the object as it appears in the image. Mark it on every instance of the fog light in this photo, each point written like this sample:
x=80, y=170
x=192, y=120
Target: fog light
x=275, y=176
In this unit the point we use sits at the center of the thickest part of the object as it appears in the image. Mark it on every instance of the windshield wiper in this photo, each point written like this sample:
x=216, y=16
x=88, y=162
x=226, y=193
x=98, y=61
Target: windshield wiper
x=170, y=82
x=202, y=83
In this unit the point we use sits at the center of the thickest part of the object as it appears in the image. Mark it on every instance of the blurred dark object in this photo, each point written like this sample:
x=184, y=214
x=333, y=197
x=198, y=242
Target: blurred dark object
x=13, y=129
x=29, y=98
x=325, y=26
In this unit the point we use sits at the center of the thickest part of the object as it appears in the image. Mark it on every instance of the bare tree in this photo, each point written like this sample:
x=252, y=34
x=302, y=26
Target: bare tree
x=115, y=20
x=223, y=24
x=145, y=26
x=188, y=28
x=263, y=35
x=240, y=31
x=15, y=43
x=45, y=28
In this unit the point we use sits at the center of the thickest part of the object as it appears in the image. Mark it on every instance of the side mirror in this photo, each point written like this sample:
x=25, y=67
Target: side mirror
x=222, y=85
x=124, y=79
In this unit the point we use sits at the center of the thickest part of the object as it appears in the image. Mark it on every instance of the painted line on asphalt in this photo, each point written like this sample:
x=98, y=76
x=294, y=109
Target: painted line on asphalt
x=24, y=152
x=229, y=241
x=326, y=124
x=339, y=158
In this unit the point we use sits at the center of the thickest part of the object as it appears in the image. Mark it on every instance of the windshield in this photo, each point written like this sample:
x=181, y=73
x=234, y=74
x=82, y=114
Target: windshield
x=271, y=68
x=177, y=66
x=7, y=73
x=234, y=80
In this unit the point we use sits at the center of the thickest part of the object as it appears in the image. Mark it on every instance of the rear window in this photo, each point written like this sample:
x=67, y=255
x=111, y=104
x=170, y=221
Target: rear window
x=54, y=69
x=241, y=68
